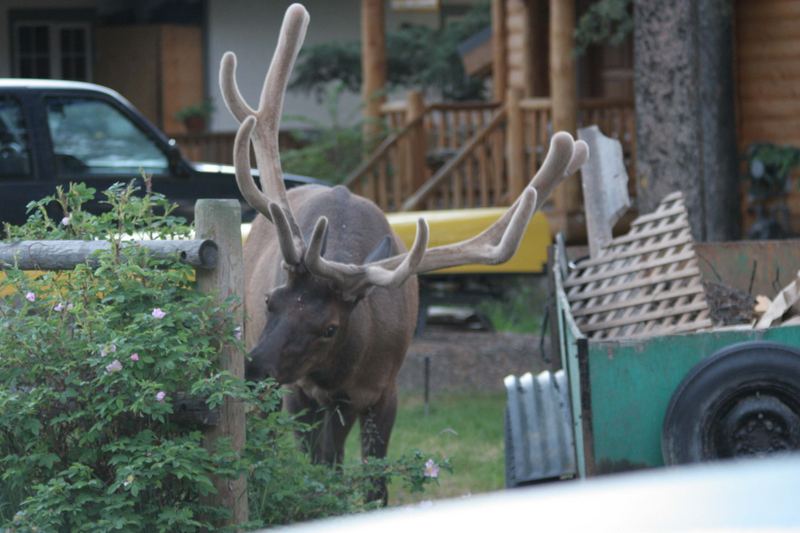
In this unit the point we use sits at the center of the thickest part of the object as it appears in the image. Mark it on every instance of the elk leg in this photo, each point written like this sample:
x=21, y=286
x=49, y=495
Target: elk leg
x=376, y=428
x=339, y=420
x=329, y=426
x=309, y=412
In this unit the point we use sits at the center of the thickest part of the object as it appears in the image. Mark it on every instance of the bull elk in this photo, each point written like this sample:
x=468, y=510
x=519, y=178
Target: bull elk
x=330, y=291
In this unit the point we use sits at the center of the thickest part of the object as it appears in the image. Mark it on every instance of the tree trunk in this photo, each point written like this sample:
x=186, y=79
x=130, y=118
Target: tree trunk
x=685, y=125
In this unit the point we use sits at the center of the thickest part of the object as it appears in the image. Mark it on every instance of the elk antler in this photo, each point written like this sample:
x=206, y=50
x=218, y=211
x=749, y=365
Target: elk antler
x=494, y=245
x=353, y=278
x=262, y=125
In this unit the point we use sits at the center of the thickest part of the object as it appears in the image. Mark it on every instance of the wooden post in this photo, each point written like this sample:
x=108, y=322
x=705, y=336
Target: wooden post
x=563, y=93
x=417, y=145
x=220, y=220
x=515, y=145
x=373, y=66
x=499, y=50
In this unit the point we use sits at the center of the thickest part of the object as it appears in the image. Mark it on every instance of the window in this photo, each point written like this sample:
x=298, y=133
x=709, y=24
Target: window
x=15, y=158
x=52, y=50
x=90, y=137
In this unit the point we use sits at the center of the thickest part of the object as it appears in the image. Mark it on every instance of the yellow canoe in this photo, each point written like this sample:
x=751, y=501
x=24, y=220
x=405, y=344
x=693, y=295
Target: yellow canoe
x=459, y=224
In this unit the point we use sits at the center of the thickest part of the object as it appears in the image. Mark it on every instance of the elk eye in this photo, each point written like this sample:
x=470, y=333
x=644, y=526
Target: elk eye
x=330, y=331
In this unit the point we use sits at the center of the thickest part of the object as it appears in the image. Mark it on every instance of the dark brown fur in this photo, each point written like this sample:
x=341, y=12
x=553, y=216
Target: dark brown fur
x=350, y=375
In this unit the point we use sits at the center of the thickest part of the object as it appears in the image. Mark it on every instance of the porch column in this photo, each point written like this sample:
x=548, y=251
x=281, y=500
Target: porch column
x=373, y=65
x=499, y=50
x=563, y=94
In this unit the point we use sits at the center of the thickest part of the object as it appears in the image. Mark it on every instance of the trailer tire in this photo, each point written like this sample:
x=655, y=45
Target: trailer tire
x=742, y=401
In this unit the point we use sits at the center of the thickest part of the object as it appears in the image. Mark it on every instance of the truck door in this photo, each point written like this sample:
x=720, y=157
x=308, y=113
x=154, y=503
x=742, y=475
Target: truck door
x=18, y=166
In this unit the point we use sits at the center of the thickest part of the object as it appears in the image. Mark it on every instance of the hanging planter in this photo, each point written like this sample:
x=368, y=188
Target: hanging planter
x=195, y=117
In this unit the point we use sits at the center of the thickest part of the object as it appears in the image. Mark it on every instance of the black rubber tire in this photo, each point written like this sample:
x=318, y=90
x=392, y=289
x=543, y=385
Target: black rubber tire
x=742, y=401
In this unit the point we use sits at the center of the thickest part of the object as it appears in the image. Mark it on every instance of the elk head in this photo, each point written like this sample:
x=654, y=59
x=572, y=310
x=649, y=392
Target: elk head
x=309, y=308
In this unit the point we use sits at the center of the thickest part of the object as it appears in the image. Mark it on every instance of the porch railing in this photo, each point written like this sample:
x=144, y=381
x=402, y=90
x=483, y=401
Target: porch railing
x=473, y=177
x=453, y=155
x=211, y=147
x=476, y=154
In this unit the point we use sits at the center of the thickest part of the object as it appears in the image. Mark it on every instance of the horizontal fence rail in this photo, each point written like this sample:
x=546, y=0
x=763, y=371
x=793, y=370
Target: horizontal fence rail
x=66, y=255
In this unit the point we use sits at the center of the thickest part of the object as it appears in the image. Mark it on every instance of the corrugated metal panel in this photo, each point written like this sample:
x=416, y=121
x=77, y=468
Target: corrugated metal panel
x=539, y=440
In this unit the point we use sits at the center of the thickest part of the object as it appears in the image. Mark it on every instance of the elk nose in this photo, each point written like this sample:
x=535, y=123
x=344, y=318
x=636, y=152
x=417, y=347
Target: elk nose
x=255, y=370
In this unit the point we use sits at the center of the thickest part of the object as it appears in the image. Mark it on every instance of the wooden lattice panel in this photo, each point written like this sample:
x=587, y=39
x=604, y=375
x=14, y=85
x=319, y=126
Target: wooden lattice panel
x=644, y=283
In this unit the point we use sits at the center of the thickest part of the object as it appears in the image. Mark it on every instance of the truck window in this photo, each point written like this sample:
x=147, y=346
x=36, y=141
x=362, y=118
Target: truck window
x=15, y=158
x=90, y=137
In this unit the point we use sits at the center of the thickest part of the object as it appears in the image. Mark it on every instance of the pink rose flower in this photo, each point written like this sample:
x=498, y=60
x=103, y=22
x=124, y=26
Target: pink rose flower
x=431, y=469
x=65, y=221
x=158, y=313
x=30, y=296
x=114, y=366
x=134, y=356
x=160, y=395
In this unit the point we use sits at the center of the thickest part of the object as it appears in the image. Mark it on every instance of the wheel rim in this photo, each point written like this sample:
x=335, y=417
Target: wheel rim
x=754, y=422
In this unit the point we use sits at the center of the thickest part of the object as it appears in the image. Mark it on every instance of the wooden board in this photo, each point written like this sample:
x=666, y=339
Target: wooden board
x=644, y=283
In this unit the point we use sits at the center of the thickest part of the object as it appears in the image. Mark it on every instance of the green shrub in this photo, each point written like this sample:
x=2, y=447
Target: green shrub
x=329, y=151
x=91, y=363
x=520, y=309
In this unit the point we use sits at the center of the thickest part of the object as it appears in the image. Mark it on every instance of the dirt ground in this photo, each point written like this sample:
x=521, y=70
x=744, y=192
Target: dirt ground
x=463, y=360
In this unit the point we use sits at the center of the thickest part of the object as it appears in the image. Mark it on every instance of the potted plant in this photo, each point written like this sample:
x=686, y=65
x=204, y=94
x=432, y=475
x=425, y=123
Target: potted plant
x=769, y=168
x=195, y=116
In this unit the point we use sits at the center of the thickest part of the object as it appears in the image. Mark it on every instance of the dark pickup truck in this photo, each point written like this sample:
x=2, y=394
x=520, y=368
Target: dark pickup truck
x=56, y=132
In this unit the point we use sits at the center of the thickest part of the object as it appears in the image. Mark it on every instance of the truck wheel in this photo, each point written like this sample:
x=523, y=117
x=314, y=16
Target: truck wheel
x=742, y=401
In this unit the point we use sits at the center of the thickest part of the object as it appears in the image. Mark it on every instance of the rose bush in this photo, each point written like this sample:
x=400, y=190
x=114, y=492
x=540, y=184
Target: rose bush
x=91, y=363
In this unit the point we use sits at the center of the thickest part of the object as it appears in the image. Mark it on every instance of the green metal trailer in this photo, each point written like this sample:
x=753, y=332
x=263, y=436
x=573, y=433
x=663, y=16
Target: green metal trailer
x=629, y=404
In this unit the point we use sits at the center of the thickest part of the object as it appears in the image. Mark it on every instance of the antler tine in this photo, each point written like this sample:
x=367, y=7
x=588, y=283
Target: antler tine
x=351, y=277
x=545, y=180
x=486, y=248
x=499, y=242
x=292, y=35
x=264, y=122
x=241, y=160
x=553, y=170
x=230, y=89
x=270, y=107
x=292, y=253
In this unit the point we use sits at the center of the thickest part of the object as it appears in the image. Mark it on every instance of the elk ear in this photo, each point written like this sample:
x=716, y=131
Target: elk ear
x=383, y=250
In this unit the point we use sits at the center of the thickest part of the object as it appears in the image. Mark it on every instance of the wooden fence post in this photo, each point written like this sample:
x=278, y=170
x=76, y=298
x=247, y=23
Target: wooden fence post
x=220, y=220
x=417, y=144
x=515, y=145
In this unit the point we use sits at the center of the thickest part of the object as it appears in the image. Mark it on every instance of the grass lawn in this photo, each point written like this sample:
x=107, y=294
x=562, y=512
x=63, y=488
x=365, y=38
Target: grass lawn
x=467, y=428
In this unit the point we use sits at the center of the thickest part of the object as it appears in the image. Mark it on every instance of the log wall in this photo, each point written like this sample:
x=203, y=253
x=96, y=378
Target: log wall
x=768, y=71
